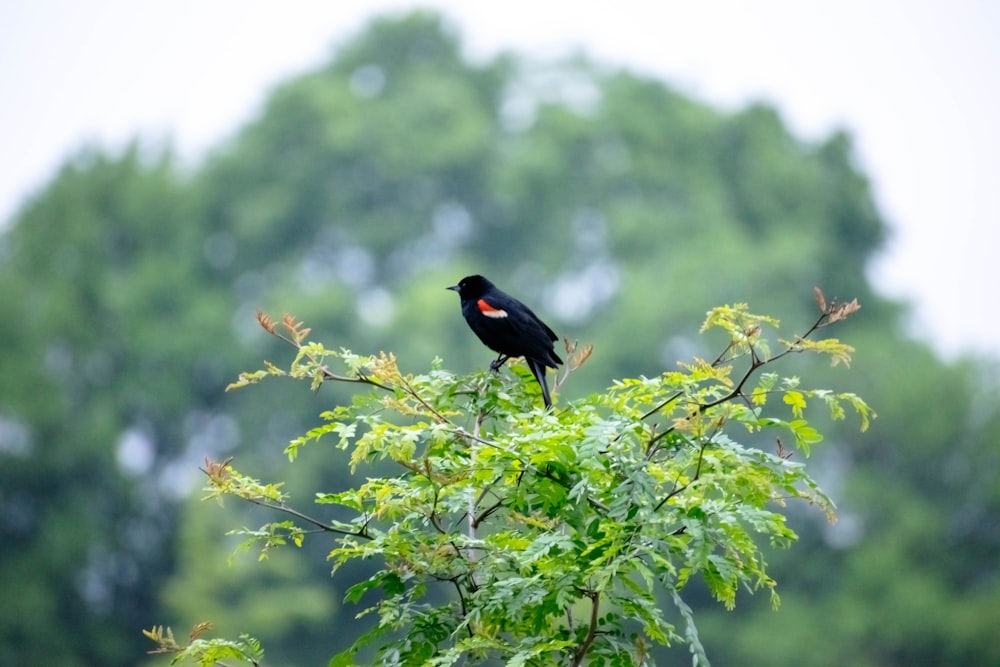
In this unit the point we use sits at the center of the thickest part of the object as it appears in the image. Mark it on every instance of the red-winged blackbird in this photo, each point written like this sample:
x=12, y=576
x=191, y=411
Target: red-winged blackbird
x=508, y=327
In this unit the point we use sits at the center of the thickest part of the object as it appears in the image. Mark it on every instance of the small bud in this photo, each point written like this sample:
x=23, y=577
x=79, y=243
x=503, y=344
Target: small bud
x=820, y=299
x=199, y=629
x=265, y=321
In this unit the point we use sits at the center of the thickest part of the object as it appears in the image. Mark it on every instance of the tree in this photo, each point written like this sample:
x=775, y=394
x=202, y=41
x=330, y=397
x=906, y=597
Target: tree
x=553, y=533
x=84, y=367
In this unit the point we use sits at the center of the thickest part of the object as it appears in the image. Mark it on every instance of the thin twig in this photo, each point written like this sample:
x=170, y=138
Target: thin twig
x=427, y=406
x=678, y=490
x=281, y=507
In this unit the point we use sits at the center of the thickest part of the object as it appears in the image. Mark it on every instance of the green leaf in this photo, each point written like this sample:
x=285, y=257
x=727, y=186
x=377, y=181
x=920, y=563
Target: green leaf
x=796, y=400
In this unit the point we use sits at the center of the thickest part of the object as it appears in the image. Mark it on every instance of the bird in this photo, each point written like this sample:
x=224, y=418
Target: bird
x=509, y=328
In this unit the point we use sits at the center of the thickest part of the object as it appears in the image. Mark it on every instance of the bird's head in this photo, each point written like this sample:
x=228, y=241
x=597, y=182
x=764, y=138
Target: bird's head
x=471, y=287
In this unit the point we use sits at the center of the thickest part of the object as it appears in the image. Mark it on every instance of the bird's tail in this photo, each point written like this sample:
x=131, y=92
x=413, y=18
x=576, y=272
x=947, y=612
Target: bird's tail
x=538, y=370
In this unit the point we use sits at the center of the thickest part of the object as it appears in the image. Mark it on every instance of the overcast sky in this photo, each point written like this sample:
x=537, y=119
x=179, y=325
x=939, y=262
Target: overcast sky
x=916, y=83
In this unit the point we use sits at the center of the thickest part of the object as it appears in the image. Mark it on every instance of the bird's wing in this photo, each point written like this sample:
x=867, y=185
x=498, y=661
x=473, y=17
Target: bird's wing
x=522, y=325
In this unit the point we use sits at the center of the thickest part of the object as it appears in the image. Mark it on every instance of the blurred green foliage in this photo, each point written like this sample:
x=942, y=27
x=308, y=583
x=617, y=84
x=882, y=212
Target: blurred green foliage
x=614, y=205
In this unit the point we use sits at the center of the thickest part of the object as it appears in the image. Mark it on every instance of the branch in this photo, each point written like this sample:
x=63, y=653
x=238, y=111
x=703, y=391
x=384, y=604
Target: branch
x=218, y=473
x=461, y=601
x=360, y=378
x=756, y=363
x=471, y=525
x=297, y=335
x=581, y=653
x=477, y=520
x=718, y=360
x=433, y=516
x=474, y=437
x=427, y=406
x=678, y=490
x=282, y=507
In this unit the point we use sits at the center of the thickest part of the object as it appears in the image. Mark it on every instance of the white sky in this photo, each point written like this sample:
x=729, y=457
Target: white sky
x=917, y=84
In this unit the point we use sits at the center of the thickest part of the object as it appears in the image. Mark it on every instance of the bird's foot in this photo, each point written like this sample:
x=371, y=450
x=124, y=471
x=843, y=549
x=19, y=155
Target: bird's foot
x=498, y=362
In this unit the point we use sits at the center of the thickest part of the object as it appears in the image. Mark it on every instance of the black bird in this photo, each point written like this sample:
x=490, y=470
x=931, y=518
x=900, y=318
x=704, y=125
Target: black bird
x=508, y=327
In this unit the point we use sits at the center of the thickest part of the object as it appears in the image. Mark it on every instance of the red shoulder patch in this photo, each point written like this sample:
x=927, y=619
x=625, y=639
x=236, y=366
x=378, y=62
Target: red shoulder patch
x=489, y=311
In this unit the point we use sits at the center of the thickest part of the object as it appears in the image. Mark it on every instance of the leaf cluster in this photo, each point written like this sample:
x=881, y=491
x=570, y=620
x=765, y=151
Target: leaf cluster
x=556, y=535
x=205, y=652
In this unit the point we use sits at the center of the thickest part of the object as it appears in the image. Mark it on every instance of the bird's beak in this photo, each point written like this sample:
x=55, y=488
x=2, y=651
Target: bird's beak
x=453, y=287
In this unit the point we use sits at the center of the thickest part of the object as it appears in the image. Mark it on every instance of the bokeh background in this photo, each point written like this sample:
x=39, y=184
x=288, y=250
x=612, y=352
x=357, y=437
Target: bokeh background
x=170, y=167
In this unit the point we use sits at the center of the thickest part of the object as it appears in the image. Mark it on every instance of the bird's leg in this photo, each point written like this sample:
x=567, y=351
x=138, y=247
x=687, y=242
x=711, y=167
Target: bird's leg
x=498, y=362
